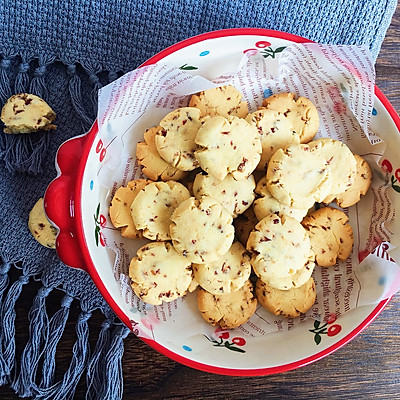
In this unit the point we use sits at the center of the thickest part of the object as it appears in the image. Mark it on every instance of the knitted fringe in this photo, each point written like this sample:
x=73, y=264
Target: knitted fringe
x=102, y=367
x=25, y=153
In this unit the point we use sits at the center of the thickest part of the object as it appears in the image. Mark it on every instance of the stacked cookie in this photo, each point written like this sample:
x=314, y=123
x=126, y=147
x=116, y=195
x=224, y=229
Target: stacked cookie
x=228, y=197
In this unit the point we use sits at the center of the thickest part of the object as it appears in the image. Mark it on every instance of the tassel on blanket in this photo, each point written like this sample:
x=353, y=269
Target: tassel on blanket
x=96, y=368
x=76, y=97
x=7, y=327
x=38, y=334
x=22, y=79
x=56, y=329
x=112, y=387
x=93, y=70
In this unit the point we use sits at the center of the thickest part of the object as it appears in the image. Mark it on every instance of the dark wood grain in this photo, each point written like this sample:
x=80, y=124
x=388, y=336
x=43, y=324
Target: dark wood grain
x=367, y=367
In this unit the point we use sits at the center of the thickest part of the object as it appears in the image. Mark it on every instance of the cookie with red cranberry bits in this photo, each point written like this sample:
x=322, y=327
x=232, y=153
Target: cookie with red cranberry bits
x=293, y=280
x=360, y=186
x=330, y=234
x=158, y=273
x=244, y=224
x=228, y=310
x=228, y=146
x=266, y=204
x=201, y=230
x=175, y=141
x=298, y=176
x=120, y=208
x=226, y=274
x=40, y=227
x=279, y=246
x=275, y=130
x=26, y=113
x=153, y=166
x=342, y=164
x=301, y=112
x=223, y=100
x=288, y=303
x=153, y=206
x=235, y=196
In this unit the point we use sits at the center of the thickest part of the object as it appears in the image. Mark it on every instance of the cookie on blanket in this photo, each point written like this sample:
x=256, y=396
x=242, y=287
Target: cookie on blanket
x=226, y=274
x=120, y=208
x=330, y=234
x=153, y=206
x=228, y=145
x=222, y=100
x=228, y=310
x=235, y=196
x=158, y=273
x=294, y=280
x=244, y=224
x=266, y=204
x=342, y=164
x=301, y=112
x=279, y=246
x=360, y=185
x=288, y=303
x=201, y=230
x=175, y=141
x=298, y=176
x=276, y=131
x=153, y=166
x=26, y=113
x=40, y=227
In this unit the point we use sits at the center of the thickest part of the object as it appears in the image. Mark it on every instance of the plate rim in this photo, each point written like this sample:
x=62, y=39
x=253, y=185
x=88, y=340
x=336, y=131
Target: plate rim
x=98, y=281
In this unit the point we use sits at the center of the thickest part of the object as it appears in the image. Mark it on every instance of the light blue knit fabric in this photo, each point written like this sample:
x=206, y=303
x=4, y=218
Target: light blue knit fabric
x=64, y=51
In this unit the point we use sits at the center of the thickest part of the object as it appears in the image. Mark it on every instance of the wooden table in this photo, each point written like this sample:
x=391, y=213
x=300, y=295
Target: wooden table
x=367, y=367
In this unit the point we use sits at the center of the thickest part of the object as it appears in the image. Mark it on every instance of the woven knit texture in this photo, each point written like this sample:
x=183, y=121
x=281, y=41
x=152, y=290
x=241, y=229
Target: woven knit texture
x=64, y=51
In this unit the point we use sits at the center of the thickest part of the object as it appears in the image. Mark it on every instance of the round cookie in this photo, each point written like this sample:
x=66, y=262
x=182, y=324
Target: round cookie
x=297, y=279
x=359, y=187
x=331, y=235
x=226, y=274
x=298, y=176
x=301, y=113
x=222, y=100
x=288, y=303
x=175, y=142
x=279, y=246
x=26, y=113
x=267, y=204
x=120, y=208
x=153, y=206
x=228, y=310
x=244, y=224
x=153, y=166
x=276, y=131
x=228, y=145
x=158, y=273
x=40, y=227
x=235, y=196
x=201, y=230
x=342, y=164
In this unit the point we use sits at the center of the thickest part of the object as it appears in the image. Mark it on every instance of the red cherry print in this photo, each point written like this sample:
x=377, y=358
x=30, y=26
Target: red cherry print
x=224, y=335
x=102, y=239
x=102, y=220
x=387, y=166
x=334, y=330
x=102, y=154
x=99, y=146
x=262, y=44
x=239, y=341
x=397, y=174
x=331, y=318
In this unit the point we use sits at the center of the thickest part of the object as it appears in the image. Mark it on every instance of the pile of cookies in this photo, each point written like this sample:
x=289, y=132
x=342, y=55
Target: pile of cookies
x=230, y=200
